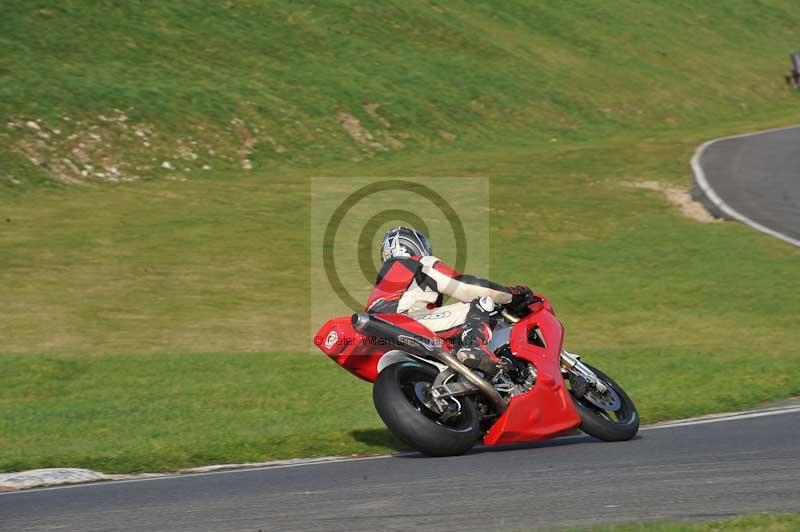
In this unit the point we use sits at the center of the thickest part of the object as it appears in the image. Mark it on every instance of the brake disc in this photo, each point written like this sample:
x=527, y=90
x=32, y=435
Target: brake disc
x=440, y=413
x=608, y=400
x=422, y=390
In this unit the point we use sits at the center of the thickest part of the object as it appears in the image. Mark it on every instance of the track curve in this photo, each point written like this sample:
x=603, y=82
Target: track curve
x=689, y=470
x=755, y=179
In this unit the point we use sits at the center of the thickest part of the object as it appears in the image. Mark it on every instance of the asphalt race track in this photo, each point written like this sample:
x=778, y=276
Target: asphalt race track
x=758, y=176
x=695, y=470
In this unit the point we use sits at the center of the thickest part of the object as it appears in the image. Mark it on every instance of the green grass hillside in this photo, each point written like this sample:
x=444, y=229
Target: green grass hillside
x=273, y=82
x=155, y=165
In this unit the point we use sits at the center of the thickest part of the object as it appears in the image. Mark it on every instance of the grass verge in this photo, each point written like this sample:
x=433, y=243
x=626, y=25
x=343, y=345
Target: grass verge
x=658, y=300
x=157, y=315
x=758, y=522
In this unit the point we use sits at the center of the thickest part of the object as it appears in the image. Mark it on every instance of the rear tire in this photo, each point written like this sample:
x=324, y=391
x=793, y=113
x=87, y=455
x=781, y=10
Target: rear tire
x=599, y=423
x=411, y=421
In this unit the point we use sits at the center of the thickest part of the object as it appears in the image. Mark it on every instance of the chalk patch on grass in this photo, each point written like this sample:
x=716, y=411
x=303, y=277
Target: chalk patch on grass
x=680, y=197
x=248, y=143
x=372, y=111
x=357, y=132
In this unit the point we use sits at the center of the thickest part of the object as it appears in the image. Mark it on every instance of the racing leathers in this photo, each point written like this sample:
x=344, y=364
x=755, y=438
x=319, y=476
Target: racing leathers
x=416, y=286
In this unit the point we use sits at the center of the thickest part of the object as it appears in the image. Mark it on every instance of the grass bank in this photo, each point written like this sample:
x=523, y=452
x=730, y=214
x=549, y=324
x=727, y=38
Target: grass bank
x=155, y=310
x=759, y=522
x=659, y=300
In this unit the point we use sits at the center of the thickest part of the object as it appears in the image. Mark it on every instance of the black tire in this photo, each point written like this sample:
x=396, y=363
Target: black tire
x=599, y=423
x=409, y=419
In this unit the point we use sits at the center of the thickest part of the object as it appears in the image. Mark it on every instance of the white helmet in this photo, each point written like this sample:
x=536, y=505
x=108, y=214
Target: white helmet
x=404, y=242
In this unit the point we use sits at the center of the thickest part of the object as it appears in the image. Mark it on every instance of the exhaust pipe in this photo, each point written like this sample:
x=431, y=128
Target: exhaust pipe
x=425, y=347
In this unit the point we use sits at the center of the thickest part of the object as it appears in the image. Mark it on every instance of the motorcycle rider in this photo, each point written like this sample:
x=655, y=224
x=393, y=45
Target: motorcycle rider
x=414, y=282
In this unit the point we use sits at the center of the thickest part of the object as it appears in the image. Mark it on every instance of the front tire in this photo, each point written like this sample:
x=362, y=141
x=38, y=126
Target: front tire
x=619, y=424
x=396, y=398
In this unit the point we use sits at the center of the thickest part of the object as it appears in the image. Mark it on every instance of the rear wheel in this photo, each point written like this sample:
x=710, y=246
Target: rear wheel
x=608, y=416
x=401, y=396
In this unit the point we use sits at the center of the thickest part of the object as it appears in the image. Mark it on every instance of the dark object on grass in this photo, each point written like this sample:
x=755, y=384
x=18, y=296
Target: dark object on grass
x=793, y=78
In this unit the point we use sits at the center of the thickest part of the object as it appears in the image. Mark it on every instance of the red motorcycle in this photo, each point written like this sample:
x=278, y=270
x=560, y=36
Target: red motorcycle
x=440, y=407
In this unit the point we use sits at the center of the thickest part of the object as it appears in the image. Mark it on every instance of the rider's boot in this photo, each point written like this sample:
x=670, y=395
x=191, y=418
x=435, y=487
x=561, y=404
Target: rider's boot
x=479, y=358
x=476, y=333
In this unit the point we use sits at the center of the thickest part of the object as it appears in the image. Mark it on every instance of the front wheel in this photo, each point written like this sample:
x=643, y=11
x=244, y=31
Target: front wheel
x=400, y=398
x=608, y=416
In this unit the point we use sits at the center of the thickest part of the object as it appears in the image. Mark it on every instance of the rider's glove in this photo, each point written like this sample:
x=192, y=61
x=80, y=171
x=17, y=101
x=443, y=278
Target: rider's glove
x=521, y=297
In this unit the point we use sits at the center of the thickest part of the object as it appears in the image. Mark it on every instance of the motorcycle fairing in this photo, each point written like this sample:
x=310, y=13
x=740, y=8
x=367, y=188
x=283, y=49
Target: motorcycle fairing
x=356, y=352
x=546, y=409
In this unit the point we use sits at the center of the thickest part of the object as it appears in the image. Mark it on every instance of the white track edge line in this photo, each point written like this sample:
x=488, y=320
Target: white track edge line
x=702, y=182
x=167, y=476
x=713, y=418
x=721, y=418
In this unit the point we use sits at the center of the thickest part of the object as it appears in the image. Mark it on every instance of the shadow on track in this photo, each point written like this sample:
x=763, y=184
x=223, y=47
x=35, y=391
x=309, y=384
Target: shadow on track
x=572, y=439
x=380, y=438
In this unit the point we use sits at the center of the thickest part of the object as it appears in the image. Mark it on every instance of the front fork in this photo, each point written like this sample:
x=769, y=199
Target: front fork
x=571, y=363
